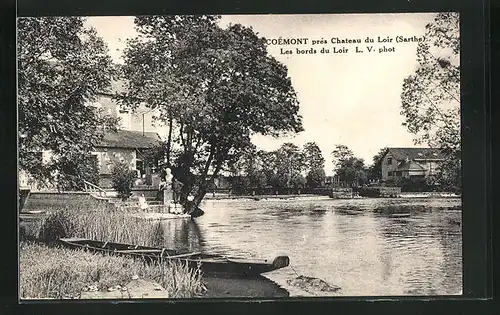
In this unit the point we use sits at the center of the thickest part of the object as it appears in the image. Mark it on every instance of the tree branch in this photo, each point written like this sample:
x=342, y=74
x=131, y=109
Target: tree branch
x=169, y=139
x=181, y=134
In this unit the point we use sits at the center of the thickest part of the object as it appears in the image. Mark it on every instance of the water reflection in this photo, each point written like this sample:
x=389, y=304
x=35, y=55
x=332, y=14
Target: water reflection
x=182, y=235
x=355, y=244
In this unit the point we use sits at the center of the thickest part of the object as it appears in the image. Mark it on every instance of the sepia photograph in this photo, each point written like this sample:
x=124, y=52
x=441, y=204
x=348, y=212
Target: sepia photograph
x=239, y=156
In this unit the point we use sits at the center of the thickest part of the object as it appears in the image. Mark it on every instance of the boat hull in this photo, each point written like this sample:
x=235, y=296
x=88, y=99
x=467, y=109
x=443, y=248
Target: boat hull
x=208, y=263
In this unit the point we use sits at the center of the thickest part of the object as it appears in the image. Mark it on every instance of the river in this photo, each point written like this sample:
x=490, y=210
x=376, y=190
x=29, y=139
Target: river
x=354, y=244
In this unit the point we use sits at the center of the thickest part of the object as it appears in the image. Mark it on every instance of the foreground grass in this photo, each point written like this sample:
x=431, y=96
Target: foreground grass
x=51, y=272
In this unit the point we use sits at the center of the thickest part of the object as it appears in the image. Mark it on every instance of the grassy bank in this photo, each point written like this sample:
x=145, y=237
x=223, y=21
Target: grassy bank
x=48, y=271
x=97, y=224
x=51, y=272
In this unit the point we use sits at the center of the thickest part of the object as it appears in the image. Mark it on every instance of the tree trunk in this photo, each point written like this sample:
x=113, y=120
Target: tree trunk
x=169, y=139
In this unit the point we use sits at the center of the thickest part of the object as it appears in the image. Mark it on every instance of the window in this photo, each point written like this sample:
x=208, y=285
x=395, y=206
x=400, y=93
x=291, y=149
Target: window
x=96, y=160
x=389, y=161
x=123, y=110
x=390, y=173
x=139, y=165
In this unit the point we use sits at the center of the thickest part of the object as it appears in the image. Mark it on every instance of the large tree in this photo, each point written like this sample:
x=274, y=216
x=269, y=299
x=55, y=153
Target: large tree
x=352, y=171
x=62, y=66
x=249, y=169
x=289, y=165
x=340, y=154
x=214, y=87
x=315, y=165
x=431, y=96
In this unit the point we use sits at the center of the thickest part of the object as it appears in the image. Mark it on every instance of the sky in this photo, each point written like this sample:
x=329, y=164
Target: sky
x=345, y=98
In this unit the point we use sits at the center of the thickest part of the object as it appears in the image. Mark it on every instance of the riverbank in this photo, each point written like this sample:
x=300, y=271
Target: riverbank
x=263, y=197
x=409, y=195
x=51, y=272
x=59, y=273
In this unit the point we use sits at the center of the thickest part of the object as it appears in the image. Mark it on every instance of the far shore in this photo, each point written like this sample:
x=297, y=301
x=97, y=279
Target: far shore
x=225, y=197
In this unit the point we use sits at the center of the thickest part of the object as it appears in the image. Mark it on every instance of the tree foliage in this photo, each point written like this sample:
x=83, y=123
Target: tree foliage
x=340, y=154
x=216, y=88
x=315, y=178
x=289, y=165
x=352, y=171
x=375, y=170
x=75, y=171
x=122, y=179
x=348, y=168
x=314, y=164
x=62, y=66
x=430, y=100
x=313, y=158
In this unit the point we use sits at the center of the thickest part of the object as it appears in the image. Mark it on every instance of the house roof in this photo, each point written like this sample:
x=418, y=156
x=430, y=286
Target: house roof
x=410, y=166
x=128, y=139
x=416, y=153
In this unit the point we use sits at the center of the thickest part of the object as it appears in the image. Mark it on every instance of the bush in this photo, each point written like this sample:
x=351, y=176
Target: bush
x=57, y=225
x=315, y=178
x=73, y=172
x=122, y=179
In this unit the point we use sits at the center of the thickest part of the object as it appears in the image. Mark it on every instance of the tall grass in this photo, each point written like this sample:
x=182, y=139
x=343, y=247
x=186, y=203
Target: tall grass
x=112, y=226
x=51, y=272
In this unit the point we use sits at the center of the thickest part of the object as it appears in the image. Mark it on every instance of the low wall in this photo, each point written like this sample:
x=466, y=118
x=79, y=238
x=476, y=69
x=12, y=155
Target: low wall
x=341, y=193
x=380, y=192
x=149, y=193
x=268, y=191
x=53, y=201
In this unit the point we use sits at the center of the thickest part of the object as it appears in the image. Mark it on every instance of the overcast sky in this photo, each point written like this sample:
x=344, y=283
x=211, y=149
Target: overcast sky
x=350, y=98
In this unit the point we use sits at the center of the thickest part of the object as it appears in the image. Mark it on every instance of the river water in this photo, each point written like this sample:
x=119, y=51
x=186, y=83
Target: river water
x=359, y=245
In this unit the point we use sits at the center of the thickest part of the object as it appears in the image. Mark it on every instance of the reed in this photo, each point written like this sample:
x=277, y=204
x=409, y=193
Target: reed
x=102, y=225
x=54, y=272
x=59, y=273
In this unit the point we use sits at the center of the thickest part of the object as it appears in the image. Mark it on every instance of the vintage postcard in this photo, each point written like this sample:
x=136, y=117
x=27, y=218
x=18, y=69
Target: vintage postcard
x=241, y=156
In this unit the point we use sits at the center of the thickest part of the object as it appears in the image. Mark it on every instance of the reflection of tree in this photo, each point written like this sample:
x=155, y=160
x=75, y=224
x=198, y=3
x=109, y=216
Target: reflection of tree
x=182, y=235
x=386, y=258
x=441, y=270
x=450, y=238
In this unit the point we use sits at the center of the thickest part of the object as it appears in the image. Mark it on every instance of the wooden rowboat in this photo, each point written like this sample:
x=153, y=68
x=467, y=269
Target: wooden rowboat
x=399, y=215
x=208, y=263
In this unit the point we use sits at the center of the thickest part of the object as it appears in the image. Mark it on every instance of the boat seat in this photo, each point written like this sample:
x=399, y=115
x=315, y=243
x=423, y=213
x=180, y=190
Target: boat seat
x=184, y=255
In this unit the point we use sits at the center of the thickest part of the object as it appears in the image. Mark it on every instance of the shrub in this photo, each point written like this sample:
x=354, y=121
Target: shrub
x=315, y=178
x=56, y=225
x=73, y=171
x=122, y=179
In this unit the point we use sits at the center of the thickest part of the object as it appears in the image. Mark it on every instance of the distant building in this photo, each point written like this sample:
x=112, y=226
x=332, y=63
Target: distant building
x=137, y=132
x=125, y=146
x=139, y=119
x=400, y=163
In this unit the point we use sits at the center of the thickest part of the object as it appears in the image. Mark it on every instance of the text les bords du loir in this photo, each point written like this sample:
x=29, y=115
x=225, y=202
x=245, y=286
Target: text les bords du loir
x=337, y=45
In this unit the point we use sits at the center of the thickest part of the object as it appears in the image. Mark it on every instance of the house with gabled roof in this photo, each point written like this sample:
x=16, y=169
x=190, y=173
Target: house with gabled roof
x=398, y=163
x=137, y=132
x=127, y=146
x=140, y=119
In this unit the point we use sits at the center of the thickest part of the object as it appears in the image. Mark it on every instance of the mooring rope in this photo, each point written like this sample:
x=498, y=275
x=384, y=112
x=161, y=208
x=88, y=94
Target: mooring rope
x=294, y=270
